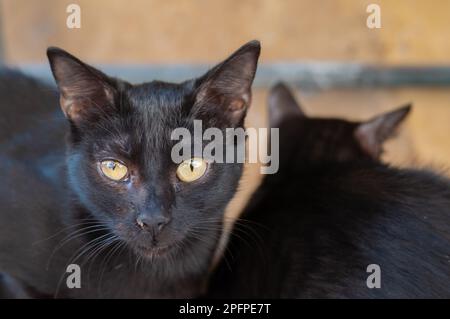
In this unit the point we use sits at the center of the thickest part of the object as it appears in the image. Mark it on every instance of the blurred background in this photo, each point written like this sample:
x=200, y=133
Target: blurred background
x=324, y=48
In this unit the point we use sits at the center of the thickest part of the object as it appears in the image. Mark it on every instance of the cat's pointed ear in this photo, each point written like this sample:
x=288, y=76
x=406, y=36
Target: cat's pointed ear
x=373, y=133
x=224, y=92
x=85, y=92
x=282, y=104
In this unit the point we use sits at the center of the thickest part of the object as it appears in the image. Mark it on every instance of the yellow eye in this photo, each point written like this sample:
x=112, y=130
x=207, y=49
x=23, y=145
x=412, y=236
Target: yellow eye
x=191, y=169
x=114, y=170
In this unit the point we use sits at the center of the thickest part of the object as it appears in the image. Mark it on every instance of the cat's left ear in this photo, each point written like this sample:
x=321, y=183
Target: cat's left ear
x=373, y=133
x=223, y=94
x=283, y=105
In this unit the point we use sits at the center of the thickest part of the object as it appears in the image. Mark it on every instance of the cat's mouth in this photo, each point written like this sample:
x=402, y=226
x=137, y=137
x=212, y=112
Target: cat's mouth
x=155, y=251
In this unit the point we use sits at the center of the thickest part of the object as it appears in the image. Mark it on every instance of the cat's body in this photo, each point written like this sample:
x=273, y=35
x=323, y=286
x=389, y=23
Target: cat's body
x=25, y=104
x=58, y=208
x=330, y=212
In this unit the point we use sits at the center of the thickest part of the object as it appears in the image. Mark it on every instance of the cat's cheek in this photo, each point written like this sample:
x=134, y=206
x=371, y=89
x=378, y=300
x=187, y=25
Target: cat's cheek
x=121, y=229
x=177, y=187
x=122, y=210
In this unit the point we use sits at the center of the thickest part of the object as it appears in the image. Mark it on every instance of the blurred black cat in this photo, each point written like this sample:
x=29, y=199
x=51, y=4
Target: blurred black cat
x=114, y=203
x=333, y=209
x=25, y=103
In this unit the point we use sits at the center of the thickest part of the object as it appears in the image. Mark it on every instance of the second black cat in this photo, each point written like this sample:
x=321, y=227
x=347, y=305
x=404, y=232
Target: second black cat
x=335, y=222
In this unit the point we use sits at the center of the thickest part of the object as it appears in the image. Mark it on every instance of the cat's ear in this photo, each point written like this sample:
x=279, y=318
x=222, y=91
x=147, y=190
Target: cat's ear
x=85, y=93
x=373, y=133
x=224, y=92
x=282, y=105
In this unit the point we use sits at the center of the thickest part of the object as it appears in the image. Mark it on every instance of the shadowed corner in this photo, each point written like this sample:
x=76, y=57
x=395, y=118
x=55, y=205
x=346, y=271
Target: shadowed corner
x=10, y=289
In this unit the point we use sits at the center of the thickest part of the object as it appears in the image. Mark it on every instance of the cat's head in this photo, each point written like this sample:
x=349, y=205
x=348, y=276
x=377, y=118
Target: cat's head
x=310, y=140
x=119, y=154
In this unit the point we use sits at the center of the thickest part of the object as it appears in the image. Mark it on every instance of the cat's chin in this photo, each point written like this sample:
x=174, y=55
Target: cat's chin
x=154, y=252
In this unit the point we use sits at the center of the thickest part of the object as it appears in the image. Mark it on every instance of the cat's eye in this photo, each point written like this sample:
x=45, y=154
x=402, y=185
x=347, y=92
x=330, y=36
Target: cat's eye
x=191, y=169
x=114, y=170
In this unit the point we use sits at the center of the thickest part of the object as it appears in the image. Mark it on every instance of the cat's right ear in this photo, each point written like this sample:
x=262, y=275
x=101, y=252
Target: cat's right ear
x=223, y=94
x=372, y=134
x=282, y=105
x=85, y=93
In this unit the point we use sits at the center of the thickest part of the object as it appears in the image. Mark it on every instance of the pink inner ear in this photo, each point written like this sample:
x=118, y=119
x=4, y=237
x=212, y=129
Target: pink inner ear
x=65, y=106
x=237, y=105
x=368, y=140
x=86, y=105
x=72, y=109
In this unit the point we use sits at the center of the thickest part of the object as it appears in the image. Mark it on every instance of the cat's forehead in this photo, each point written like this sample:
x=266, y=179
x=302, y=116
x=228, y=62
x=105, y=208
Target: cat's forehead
x=157, y=97
x=153, y=110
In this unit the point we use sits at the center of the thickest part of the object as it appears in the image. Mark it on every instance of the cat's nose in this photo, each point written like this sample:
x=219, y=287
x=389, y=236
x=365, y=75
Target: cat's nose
x=152, y=223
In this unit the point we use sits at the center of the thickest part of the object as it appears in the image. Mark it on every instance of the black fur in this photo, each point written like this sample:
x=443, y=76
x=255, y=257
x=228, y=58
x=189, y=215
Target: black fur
x=311, y=230
x=57, y=209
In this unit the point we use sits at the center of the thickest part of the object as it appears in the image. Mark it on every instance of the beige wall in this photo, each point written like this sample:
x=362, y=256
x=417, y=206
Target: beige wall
x=413, y=31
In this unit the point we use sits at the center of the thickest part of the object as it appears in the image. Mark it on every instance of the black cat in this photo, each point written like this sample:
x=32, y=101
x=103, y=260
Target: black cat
x=110, y=199
x=333, y=214
x=25, y=103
